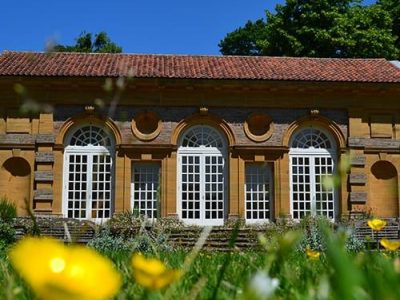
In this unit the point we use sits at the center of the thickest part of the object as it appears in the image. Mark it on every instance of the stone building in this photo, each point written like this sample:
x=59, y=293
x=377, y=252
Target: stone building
x=200, y=138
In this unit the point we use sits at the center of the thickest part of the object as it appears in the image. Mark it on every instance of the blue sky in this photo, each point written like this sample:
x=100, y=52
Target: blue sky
x=139, y=26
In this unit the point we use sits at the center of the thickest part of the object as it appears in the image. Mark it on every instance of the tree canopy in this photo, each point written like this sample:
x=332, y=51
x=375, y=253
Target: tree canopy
x=321, y=28
x=85, y=43
x=393, y=7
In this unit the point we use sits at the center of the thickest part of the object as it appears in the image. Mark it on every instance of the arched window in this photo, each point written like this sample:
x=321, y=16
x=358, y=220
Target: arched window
x=312, y=158
x=311, y=138
x=202, y=136
x=88, y=173
x=202, y=176
x=90, y=136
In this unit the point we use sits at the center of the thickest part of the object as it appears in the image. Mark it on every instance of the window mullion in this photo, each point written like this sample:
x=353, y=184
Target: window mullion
x=313, y=182
x=89, y=180
x=269, y=182
x=202, y=188
x=66, y=183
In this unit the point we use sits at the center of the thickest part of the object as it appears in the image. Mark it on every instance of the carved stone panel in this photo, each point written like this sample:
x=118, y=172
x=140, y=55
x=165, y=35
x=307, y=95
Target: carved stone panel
x=358, y=160
x=44, y=157
x=44, y=176
x=358, y=197
x=358, y=178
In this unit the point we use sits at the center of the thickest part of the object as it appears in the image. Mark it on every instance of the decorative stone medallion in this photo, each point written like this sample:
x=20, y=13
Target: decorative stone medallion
x=258, y=127
x=146, y=126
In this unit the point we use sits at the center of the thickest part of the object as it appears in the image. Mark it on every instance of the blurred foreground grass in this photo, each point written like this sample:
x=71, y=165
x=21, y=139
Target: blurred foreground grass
x=282, y=270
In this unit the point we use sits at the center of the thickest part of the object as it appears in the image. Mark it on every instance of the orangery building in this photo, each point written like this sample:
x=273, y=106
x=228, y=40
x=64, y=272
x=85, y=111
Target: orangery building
x=204, y=139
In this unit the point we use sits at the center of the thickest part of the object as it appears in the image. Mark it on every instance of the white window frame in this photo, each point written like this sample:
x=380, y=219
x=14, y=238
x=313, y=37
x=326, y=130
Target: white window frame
x=90, y=151
x=152, y=186
x=202, y=152
x=312, y=153
x=264, y=187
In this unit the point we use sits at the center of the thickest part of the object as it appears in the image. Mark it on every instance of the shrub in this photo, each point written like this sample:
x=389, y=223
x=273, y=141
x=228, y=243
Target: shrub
x=126, y=223
x=315, y=239
x=7, y=234
x=106, y=242
x=8, y=210
x=353, y=243
x=312, y=238
x=168, y=224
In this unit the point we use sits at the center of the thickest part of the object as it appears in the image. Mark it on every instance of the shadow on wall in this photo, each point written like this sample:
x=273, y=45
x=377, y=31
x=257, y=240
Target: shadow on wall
x=15, y=178
x=384, y=190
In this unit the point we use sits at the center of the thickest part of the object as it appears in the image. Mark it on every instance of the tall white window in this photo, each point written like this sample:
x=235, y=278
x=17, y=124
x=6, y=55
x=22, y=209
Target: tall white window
x=88, y=174
x=145, y=189
x=258, y=190
x=312, y=157
x=202, y=176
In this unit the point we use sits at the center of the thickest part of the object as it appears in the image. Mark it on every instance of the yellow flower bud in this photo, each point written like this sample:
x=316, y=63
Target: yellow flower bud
x=390, y=245
x=152, y=273
x=312, y=254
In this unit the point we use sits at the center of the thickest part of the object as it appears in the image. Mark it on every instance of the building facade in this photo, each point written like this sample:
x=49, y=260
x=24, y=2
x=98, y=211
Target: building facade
x=200, y=138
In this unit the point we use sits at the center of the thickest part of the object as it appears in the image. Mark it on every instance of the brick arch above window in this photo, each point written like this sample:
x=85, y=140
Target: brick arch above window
x=318, y=122
x=86, y=135
x=199, y=119
x=89, y=119
x=311, y=137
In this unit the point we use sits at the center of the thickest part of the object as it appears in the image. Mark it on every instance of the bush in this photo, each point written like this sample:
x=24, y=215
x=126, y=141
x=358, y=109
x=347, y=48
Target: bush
x=353, y=243
x=8, y=210
x=315, y=239
x=7, y=234
x=106, y=242
x=126, y=223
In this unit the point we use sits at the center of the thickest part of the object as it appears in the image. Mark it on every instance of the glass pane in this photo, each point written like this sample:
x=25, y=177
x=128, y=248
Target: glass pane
x=258, y=190
x=146, y=188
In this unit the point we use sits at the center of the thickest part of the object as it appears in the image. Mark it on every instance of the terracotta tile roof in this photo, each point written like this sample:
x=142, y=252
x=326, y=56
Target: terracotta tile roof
x=197, y=67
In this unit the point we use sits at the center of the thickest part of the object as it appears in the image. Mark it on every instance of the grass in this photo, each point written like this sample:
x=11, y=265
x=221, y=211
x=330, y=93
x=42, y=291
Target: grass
x=300, y=278
x=200, y=280
x=202, y=277
x=336, y=274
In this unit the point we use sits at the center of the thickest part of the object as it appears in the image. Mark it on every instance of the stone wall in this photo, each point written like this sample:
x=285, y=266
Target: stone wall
x=234, y=117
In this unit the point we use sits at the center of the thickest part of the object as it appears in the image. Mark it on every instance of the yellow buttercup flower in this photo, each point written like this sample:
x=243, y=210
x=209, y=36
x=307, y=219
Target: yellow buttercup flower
x=312, y=254
x=390, y=245
x=56, y=271
x=376, y=224
x=152, y=273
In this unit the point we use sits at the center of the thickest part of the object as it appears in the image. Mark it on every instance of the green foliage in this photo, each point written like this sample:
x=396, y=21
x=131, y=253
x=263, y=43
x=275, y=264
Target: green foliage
x=7, y=235
x=393, y=7
x=8, y=210
x=129, y=223
x=313, y=235
x=108, y=243
x=352, y=243
x=105, y=242
x=320, y=28
x=85, y=43
x=125, y=223
x=367, y=33
x=312, y=238
x=246, y=40
x=336, y=274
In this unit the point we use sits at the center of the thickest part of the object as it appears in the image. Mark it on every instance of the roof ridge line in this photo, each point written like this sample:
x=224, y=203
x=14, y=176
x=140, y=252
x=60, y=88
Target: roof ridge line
x=194, y=55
